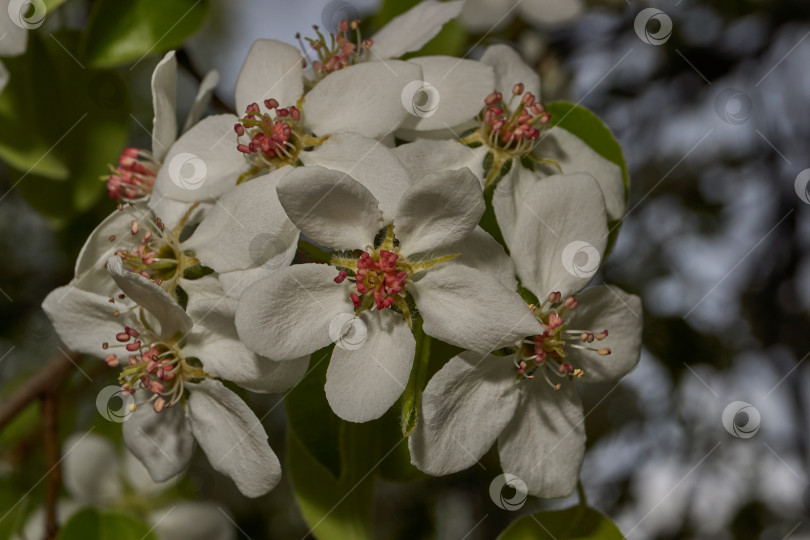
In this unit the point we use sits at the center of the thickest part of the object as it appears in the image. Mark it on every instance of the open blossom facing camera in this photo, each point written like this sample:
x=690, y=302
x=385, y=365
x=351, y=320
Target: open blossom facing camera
x=388, y=262
x=523, y=395
x=401, y=209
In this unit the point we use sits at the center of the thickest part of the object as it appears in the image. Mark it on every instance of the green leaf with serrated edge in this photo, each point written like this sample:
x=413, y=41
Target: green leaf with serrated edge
x=412, y=396
x=588, y=127
x=90, y=524
x=576, y=523
x=120, y=32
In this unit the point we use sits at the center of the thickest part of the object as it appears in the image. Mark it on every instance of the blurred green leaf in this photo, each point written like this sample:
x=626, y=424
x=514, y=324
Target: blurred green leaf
x=120, y=32
x=76, y=121
x=576, y=523
x=588, y=127
x=89, y=524
x=50, y=5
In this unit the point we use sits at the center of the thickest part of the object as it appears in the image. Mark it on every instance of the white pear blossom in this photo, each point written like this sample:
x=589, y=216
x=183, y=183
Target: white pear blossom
x=488, y=15
x=425, y=254
x=523, y=396
x=134, y=176
x=512, y=148
x=14, y=40
x=96, y=475
x=169, y=359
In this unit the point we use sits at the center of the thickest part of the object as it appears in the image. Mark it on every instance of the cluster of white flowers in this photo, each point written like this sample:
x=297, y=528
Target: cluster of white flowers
x=383, y=164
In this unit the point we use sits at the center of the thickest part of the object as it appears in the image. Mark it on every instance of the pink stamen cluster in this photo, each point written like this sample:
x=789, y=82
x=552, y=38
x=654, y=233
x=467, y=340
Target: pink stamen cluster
x=377, y=278
x=134, y=176
x=155, y=371
x=339, y=52
x=547, y=350
x=144, y=258
x=513, y=130
x=269, y=138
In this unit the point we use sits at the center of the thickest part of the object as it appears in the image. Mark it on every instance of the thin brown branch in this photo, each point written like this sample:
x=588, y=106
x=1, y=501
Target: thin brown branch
x=49, y=377
x=50, y=411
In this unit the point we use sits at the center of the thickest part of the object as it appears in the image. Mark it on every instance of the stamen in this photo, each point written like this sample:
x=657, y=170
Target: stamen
x=133, y=177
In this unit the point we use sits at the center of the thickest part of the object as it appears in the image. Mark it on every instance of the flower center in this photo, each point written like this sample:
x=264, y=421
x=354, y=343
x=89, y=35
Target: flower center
x=338, y=51
x=134, y=176
x=514, y=126
x=269, y=142
x=153, y=363
x=156, y=252
x=545, y=353
x=379, y=279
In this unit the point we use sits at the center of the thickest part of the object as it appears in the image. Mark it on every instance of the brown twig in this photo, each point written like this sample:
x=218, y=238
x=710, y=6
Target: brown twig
x=49, y=377
x=50, y=408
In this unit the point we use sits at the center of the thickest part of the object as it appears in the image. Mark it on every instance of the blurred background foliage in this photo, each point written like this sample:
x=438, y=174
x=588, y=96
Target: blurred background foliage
x=715, y=130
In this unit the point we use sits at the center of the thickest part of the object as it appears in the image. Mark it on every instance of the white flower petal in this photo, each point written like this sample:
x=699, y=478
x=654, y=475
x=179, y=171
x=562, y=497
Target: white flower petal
x=465, y=406
x=234, y=283
x=470, y=309
x=363, y=383
x=161, y=441
x=610, y=308
x=138, y=477
x=215, y=342
x=479, y=250
x=574, y=156
x=232, y=437
x=83, y=320
x=425, y=156
x=35, y=524
x=366, y=160
x=330, y=207
x=411, y=30
x=545, y=442
x=192, y=520
x=272, y=70
x=364, y=98
x=509, y=194
x=560, y=234
x=246, y=228
x=151, y=296
x=459, y=88
x=287, y=315
x=551, y=12
x=172, y=211
x=488, y=15
x=3, y=77
x=90, y=469
x=437, y=210
x=204, y=162
x=16, y=37
x=510, y=69
x=208, y=85
x=164, y=103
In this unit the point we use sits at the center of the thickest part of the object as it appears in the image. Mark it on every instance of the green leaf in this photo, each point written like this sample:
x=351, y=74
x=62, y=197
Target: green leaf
x=576, y=523
x=78, y=119
x=450, y=40
x=51, y=5
x=412, y=397
x=89, y=524
x=588, y=127
x=120, y=32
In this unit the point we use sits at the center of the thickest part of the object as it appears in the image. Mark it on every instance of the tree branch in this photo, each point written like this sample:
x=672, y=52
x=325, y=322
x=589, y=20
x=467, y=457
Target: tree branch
x=49, y=377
